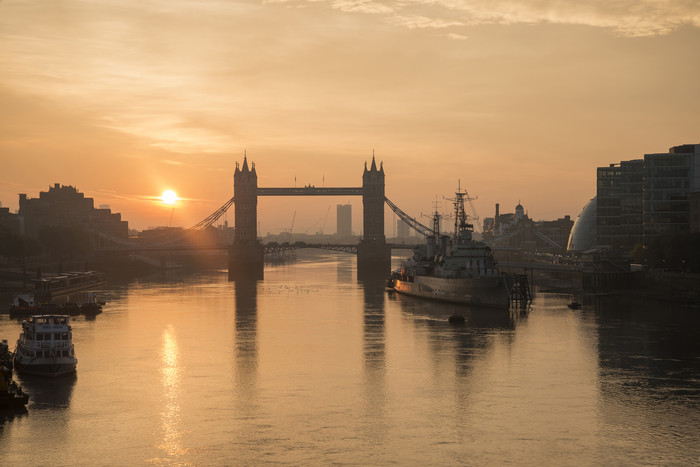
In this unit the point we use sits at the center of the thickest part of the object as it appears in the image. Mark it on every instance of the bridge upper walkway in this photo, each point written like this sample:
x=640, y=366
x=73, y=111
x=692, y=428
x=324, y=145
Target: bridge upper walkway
x=310, y=191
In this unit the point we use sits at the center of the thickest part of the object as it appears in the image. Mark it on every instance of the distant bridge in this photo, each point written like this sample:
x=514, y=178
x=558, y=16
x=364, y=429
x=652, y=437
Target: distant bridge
x=269, y=248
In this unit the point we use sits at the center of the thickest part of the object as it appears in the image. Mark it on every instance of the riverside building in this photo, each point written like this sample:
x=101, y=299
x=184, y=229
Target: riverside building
x=65, y=205
x=640, y=199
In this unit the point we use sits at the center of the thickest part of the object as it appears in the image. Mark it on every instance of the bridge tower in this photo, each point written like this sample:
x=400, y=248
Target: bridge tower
x=246, y=254
x=373, y=254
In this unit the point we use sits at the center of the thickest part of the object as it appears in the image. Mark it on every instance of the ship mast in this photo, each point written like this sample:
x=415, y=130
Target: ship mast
x=461, y=224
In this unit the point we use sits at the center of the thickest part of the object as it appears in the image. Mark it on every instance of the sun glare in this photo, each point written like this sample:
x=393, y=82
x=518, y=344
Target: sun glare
x=169, y=197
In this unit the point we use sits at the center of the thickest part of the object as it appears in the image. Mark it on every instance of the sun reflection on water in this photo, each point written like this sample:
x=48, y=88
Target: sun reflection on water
x=171, y=419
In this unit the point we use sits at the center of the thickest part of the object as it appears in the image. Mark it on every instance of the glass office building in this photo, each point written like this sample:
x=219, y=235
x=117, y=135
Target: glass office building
x=641, y=199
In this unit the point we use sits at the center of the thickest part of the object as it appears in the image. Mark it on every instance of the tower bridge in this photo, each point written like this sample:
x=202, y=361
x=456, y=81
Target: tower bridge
x=246, y=253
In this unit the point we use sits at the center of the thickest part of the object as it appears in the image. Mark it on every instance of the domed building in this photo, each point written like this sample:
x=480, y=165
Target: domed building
x=583, y=233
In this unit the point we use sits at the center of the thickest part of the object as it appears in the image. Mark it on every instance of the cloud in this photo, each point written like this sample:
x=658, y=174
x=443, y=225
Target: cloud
x=413, y=22
x=632, y=18
x=362, y=6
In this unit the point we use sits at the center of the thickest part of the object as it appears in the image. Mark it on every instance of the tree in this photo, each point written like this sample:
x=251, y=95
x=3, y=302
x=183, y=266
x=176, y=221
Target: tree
x=678, y=251
x=15, y=246
x=64, y=241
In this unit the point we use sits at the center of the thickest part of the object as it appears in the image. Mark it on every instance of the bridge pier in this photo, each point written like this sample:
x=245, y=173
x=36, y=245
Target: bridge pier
x=245, y=261
x=373, y=260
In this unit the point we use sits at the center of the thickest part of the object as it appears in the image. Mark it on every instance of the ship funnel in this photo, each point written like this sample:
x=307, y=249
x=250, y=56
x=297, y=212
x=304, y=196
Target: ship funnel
x=430, y=253
x=445, y=245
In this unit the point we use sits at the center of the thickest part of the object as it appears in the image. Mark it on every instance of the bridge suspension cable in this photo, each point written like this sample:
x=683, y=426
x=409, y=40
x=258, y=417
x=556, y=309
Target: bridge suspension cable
x=412, y=223
x=213, y=217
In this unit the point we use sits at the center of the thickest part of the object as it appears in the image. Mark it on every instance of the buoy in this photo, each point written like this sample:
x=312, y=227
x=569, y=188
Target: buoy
x=456, y=319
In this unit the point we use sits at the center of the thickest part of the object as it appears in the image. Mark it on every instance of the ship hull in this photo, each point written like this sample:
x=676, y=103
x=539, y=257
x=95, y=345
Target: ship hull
x=47, y=367
x=483, y=291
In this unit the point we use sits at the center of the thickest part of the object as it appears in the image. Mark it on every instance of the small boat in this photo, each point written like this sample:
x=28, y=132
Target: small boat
x=91, y=306
x=45, y=346
x=574, y=305
x=23, y=304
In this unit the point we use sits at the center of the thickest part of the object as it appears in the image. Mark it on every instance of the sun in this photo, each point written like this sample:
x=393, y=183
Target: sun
x=169, y=197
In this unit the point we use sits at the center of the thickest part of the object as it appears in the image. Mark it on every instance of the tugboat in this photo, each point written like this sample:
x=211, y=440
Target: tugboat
x=459, y=269
x=91, y=306
x=23, y=304
x=45, y=346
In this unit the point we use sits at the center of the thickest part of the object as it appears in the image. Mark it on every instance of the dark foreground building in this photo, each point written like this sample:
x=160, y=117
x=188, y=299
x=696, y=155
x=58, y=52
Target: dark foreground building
x=65, y=206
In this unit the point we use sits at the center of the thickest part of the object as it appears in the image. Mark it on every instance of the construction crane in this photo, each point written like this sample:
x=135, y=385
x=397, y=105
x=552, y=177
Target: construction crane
x=289, y=232
x=323, y=227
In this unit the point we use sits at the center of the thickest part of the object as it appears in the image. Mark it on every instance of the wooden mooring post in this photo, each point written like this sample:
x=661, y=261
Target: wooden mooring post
x=520, y=294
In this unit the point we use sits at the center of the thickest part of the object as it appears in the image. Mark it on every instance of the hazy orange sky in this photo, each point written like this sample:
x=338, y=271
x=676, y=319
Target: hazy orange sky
x=520, y=100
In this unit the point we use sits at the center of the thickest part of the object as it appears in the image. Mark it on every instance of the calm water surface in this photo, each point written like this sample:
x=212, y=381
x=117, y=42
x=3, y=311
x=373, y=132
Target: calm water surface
x=311, y=366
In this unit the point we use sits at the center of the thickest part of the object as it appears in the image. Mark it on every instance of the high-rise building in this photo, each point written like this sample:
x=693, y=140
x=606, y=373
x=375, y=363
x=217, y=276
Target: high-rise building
x=638, y=200
x=402, y=229
x=608, y=208
x=344, y=220
x=695, y=212
x=631, y=201
x=668, y=183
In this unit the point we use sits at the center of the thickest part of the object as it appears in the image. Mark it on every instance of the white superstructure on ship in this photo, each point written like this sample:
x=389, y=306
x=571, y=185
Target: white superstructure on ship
x=45, y=346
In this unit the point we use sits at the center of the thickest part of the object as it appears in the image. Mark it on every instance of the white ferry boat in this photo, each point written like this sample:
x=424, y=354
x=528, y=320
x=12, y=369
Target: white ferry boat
x=45, y=346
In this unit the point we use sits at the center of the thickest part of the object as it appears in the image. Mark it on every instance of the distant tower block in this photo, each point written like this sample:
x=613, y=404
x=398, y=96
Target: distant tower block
x=344, y=219
x=402, y=229
x=246, y=254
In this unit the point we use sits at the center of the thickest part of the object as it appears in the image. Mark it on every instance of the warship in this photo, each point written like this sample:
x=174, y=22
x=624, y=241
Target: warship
x=454, y=269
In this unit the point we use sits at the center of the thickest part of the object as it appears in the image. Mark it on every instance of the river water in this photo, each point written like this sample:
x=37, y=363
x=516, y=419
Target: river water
x=311, y=366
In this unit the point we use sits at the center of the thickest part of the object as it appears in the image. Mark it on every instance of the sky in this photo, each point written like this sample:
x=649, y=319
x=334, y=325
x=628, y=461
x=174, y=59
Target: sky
x=516, y=101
